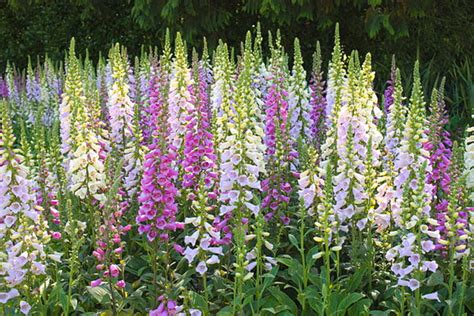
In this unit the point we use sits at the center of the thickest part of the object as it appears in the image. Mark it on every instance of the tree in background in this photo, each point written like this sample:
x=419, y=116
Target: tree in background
x=439, y=33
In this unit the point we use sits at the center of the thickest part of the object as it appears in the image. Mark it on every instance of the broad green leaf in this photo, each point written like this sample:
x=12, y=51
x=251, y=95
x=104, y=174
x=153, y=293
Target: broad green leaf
x=199, y=302
x=435, y=279
x=283, y=299
x=348, y=300
x=355, y=281
x=360, y=307
x=98, y=293
x=226, y=311
x=293, y=241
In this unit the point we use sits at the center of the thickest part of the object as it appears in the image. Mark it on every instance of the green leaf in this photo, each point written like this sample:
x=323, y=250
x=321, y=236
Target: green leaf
x=74, y=303
x=374, y=22
x=387, y=25
x=295, y=269
x=293, y=241
x=355, y=281
x=361, y=307
x=283, y=299
x=347, y=301
x=249, y=296
x=226, y=311
x=315, y=299
x=199, y=301
x=270, y=310
x=375, y=3
x=63, y=299
x=98, y=293
x=309, y=256
x=469, y=299
x=435, y=279
x=58, y=295
x=269, y=277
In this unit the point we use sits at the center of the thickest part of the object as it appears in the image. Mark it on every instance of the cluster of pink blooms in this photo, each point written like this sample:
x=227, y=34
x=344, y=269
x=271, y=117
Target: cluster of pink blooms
x=157, y=212
x=109, y=247
x=199, y=157
x=277, y=187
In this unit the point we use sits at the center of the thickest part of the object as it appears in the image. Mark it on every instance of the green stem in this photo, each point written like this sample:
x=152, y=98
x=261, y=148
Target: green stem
x=451, y=279
x=206, y=294
x=402, y=302
x=303, y=260
x=370, y=257
x=327, y=262
x=69, y=292
x=465, y=272
x=111, y=286
x=152, y=255
x=259, y=265
x=418, y=301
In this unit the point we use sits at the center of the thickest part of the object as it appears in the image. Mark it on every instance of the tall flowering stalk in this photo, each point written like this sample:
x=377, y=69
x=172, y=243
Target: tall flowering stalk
x=32, y=87
x=50, y=93
x=298, y=98
x=259, y=73
x=84, y=165
x=439, y=145
x=33, y=92
x=469, y=161
x=204, y=244
x=279, y=152
x=411, y=210
x=317, y=100
x=158, y=208
x=439, y=148
x=394, y=129
x=242, y=162
x=453, y=222
x=109, y=243
x=395, y=118
x=329, y=158
x=310, y=193
x=120, y=104
x=85, y=169
x=357, y=146
x=17, y=104
x=23, y=229
x=358, y=143
x=143, y=79
x=70, y=100
x=47, y=183
x=221, y=102
x=125, y=136
x=325, y=220
x=134, y=156
x=199, y=157
x=334, y=97
x=388, y=98
x=221, y=93
x=179, y=101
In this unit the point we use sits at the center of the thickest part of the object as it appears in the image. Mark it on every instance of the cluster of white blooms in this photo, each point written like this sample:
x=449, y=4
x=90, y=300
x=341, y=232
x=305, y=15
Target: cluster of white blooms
x=23, y=229
x=84, y=167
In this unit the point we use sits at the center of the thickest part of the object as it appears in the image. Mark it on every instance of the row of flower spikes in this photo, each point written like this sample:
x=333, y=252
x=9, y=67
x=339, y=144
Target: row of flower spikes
x=221, y=148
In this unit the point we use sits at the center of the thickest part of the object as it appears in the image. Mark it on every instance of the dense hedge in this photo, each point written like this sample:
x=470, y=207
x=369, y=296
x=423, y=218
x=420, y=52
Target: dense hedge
x=439, y=33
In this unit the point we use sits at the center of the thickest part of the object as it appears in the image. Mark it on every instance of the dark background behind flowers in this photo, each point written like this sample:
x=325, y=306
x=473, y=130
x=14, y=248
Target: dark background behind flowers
x=438, y=32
